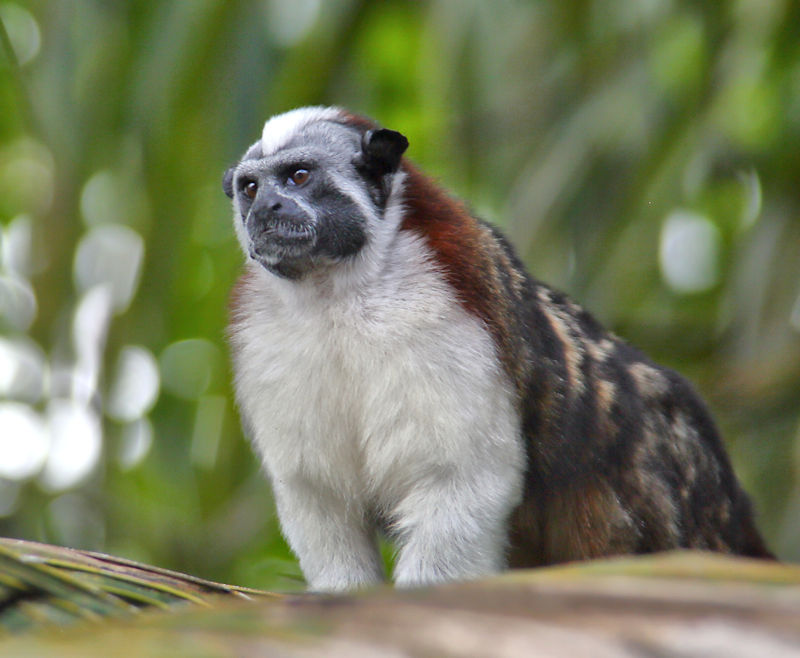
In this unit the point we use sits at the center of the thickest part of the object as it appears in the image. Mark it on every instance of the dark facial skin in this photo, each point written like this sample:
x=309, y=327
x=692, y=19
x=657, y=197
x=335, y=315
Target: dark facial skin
x=281, y=230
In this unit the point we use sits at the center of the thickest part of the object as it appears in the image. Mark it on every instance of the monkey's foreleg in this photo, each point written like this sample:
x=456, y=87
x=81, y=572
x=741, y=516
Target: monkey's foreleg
x=332, y=538
x=453, y=528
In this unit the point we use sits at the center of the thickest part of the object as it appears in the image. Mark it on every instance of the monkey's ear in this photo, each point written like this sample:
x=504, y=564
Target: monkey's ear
x=227, y=182
x=381, y=151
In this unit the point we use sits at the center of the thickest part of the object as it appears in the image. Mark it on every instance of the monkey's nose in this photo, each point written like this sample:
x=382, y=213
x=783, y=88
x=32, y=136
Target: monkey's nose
x=271, y=206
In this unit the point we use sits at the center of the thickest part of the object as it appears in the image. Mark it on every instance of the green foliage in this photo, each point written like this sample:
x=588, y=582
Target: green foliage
x=642, y=156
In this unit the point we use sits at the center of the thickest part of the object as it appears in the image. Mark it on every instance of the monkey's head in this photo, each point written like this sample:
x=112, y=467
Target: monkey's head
x=310, y=192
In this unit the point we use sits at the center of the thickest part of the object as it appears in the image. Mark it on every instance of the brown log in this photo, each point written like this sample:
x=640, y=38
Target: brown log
x=679, y=604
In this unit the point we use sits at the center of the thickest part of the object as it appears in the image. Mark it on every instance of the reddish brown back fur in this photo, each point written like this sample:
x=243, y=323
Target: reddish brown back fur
x=468, y=255
x=453, y=235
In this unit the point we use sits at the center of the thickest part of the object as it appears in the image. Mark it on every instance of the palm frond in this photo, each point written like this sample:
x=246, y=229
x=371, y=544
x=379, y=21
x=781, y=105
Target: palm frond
x=44, y=584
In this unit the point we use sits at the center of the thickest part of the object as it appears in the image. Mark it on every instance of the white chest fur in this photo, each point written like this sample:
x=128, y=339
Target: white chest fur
x=378, y=395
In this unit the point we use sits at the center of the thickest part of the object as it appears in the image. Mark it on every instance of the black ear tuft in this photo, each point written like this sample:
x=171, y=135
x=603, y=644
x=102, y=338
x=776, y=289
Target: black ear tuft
x=381, y=151
x=227, y=181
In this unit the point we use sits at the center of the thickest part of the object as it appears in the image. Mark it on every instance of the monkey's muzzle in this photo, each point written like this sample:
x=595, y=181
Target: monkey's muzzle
x=279, y=229
x=281, y=241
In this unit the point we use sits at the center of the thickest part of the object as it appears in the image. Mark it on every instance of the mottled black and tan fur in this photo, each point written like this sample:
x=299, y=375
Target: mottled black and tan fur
x=622, y=455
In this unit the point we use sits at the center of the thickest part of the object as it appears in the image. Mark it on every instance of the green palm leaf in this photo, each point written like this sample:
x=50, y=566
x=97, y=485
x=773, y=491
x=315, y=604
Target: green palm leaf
x=43, y=584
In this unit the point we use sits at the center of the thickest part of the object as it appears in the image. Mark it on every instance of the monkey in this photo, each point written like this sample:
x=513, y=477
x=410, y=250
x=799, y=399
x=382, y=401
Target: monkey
x=400, y=374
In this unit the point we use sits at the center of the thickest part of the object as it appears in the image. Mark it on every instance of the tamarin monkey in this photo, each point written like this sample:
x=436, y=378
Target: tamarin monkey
x=399, y=371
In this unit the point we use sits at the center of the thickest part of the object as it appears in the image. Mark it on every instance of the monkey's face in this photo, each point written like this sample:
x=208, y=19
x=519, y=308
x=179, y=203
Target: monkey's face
x=306, y=197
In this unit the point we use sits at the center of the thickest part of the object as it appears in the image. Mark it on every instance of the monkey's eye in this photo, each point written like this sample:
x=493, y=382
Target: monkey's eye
x=299, y=177
x=250, y=189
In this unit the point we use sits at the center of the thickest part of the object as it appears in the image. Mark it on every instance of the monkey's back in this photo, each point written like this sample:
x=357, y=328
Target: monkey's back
x=622, y=455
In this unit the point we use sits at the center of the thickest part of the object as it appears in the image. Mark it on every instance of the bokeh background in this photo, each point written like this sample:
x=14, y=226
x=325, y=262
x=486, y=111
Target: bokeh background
x=643, y=155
